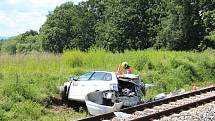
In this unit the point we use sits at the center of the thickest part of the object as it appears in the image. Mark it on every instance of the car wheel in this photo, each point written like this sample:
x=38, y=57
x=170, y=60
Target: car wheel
x=63, y=94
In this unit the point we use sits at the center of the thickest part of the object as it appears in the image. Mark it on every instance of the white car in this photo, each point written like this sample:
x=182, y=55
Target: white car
x=78, y=87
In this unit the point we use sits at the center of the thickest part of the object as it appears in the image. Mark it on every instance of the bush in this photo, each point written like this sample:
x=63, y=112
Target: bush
x=9, y=47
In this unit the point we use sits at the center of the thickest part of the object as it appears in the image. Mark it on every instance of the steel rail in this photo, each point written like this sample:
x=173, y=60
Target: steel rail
x=175, y=110
x=143, y=106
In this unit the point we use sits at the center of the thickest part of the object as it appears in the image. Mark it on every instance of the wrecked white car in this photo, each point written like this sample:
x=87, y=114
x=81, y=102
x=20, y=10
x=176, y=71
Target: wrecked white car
x=103, y=89
x=128, y=94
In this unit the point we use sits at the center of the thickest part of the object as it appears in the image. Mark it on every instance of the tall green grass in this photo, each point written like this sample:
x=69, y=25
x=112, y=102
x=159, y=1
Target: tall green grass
x=26, y=80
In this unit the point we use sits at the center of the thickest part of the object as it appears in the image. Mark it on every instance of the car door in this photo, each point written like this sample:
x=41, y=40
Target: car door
x=79, y=88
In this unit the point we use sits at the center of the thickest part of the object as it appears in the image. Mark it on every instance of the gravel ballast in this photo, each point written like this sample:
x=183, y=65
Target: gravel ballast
x=201, y=113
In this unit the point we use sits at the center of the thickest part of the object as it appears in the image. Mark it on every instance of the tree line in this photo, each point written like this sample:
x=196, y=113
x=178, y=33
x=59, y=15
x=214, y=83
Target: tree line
x=118, y=25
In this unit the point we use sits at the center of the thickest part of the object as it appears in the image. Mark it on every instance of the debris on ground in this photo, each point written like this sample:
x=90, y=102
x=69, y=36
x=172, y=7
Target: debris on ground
x=122, y=115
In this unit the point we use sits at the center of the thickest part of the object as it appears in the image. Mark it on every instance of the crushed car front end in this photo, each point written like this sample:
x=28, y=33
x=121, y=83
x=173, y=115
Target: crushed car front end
x=129, y=93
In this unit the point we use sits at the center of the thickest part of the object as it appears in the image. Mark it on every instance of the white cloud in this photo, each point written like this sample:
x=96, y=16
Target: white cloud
x=13, y=1
x=46, y=2
x=38, y=2
x=6, y=19
x=2, y=15
x=18, y=16
x=17, y=22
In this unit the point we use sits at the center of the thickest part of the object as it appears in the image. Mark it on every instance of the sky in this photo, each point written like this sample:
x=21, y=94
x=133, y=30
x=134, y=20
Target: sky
x=19, y=16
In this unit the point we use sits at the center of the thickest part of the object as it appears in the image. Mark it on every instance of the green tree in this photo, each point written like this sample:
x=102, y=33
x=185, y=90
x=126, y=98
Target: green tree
x=23, y=43
x=126, y=24
x=28, y=42
x=208, y=17
x=1, y=41
x=69, y=26
x=9, y=46
x=117, y=25
x=84, y=27
x=27, y=34
x=181, y=28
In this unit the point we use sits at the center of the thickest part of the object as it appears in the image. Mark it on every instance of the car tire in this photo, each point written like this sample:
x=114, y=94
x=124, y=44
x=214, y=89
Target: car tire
x=63, y=93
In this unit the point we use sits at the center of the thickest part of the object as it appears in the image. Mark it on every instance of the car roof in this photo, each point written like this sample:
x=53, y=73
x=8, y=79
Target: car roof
x=124, y=75
x=129, y=76
x=103, y=71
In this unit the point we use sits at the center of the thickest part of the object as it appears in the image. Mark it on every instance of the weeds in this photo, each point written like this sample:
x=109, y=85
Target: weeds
x=27, y=80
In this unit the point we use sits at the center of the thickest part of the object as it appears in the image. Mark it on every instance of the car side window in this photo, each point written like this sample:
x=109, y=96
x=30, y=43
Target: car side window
x=101, y=76
x=85, y=77
x=108, y=77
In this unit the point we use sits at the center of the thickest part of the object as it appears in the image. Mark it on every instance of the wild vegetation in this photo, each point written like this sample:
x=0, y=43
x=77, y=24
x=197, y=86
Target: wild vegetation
x=28, y=81
x=119, y=25
x=141, y=32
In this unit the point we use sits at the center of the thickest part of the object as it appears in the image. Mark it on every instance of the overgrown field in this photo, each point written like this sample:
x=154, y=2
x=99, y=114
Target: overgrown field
x=27, y=80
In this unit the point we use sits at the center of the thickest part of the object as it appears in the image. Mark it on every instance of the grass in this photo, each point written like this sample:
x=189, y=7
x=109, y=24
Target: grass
x=26, y=80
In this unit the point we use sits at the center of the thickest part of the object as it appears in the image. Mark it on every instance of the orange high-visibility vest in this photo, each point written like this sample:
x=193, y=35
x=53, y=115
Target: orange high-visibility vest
x=119, y=70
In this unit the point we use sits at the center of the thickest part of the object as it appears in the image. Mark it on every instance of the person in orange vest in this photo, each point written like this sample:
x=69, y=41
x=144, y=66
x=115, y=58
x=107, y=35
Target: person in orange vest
x=119, y=70
x=124, y=66
x=127, y=68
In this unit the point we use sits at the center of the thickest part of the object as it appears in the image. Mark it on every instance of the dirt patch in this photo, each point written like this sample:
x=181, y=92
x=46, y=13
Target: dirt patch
x=56, y=105
x=60, y=109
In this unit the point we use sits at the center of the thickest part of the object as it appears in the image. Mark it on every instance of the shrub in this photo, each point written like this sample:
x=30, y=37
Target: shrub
x=9, y=47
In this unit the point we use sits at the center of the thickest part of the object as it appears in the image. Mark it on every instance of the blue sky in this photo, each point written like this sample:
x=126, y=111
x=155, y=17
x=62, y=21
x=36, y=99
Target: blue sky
x=18, y=16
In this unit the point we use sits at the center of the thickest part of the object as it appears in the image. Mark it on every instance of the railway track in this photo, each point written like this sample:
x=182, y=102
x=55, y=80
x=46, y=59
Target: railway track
x=165, y=107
